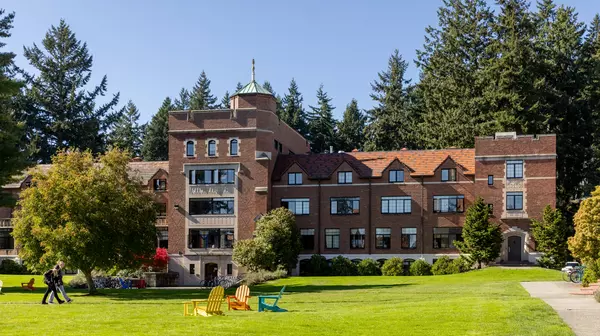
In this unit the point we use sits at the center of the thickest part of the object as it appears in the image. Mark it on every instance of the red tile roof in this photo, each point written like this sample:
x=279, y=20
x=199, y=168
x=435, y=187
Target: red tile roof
x=372, y=164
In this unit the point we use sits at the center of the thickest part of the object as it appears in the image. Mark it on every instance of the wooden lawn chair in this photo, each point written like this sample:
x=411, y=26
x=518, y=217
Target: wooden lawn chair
x=262, y=304
x=28, y=285
x=240, y=299
x=212, y=307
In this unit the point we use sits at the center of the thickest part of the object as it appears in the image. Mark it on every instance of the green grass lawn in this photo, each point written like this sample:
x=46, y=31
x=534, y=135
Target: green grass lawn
x=485, y=302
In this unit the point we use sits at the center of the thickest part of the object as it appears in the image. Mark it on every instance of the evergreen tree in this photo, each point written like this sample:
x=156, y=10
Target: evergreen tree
x=127, y=133
x=268, y=87
x=238, y=86
x=452, y=84
x=392, y=122
x=225, y=101
x=350, y=133
x=156, y=140
x=321, y=125
x=200, y=96
x=293, y=113
x=183, y=102
x=482, y=240
x=59, y=110
x=13, y=149
x=551, y=234
x=279, y=109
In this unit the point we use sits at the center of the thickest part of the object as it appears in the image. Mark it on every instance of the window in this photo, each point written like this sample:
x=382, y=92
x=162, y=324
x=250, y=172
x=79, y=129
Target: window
x=294, y=178
x=163, y=238
x=332, y=238
x=344, y=177
x=448, y=174
x=395, y=205
x=396, y=175
x=490, y=179
x=514, y=201
x=210, y=238
x=161, y=209
x=408, y=238
x=233, y=147
x=357, y=238
x=211, y=206
x=345, y=205
x=229, y=269
x=212, y=176
x=445, y=237
x=307, y=237
x=298, y=206
x=189, y=148
x=383, y=238
x=212, y=148
x=514, y=169
x=6, y=240
x=448, y=203
x=192, y=268
x=160, y=185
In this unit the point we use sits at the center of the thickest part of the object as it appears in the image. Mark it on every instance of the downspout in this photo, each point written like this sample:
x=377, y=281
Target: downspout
x=422, y=217
x=370, y=215
x=319, y=218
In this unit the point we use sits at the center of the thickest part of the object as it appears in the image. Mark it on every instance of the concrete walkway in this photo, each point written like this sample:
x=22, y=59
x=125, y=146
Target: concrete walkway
x=580, y=312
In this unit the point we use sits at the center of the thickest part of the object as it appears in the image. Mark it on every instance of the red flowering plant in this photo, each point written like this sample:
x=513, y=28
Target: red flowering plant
x=158, y=262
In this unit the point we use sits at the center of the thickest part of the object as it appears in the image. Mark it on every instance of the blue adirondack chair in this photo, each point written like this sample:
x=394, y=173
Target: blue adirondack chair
x=262, y=304
x=125, y=284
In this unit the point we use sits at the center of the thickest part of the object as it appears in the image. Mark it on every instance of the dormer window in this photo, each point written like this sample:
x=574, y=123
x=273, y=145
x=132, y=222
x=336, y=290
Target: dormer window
x=160, y=185
x=344, y=177
x=189, y=148
x=233, y=147
x=396, y=176
x=295, y=178
x=212, y=148
x=448, y=174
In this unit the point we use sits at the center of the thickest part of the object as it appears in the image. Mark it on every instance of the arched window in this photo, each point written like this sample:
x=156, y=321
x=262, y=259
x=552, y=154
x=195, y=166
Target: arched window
x=189, y=148
x=212, y=148
x=233, y=147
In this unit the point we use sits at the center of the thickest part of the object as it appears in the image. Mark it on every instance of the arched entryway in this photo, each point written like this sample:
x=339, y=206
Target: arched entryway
x=211, y=271
x=515, y=247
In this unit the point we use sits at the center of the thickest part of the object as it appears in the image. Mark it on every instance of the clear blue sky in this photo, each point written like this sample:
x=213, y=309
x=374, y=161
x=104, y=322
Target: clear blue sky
x=151, y=49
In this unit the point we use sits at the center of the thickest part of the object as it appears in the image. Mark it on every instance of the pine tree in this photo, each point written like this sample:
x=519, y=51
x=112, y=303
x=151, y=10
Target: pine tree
x=268, y=87
x=127, y=133
x=392, y=122
x=293, y=113
x=183, y=101
x=238, y=86
x=13, y=149
x=321, y=125
x=200, y=96
x=482, y=240
x=225, y=101
x=551, y=234
x=350, y=133
x=59, y=110
x=156, y=140
x=452, y=84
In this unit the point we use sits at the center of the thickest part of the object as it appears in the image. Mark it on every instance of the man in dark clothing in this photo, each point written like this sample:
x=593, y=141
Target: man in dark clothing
x=49, y=279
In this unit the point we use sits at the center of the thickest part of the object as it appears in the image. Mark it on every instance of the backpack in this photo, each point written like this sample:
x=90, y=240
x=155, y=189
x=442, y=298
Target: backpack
x=48, y=277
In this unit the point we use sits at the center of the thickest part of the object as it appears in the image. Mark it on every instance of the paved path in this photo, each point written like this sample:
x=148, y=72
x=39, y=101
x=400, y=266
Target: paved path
x=580, y=312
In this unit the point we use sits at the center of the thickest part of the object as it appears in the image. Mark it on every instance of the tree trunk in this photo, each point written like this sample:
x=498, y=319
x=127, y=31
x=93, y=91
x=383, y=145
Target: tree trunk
x=479, y=264
x=90, y=282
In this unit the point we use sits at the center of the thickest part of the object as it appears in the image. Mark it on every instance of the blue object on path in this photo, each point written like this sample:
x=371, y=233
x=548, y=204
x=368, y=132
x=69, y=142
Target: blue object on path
x=262, y=304
x=125, y=284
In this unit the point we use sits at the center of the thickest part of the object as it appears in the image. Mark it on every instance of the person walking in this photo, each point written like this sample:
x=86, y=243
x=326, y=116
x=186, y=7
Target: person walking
x=58, y=281
x=49, y=277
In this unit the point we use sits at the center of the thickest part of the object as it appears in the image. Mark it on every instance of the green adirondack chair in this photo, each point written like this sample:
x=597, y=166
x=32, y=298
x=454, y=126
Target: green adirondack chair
x=262, y=304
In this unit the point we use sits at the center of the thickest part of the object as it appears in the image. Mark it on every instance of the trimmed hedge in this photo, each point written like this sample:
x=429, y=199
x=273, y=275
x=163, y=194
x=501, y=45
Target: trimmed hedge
x=420, y=267
x=258, y=277
x=393, y=267
x=368, y=267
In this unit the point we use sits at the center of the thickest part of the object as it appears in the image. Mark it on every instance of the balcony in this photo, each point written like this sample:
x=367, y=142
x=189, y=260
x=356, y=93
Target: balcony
x=161, y=222
x=219, y=221
x=5, y=223
x=212, y=189
x=514, y=214
x=8, y=252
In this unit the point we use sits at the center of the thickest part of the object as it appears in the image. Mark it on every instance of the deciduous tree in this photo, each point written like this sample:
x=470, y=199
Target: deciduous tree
x=585, y=244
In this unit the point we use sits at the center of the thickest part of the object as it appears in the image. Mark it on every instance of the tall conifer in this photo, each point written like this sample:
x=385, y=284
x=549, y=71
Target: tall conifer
x=155, y=146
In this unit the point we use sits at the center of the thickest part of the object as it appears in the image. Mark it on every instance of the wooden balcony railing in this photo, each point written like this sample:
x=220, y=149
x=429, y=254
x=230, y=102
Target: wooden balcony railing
x=5, y=223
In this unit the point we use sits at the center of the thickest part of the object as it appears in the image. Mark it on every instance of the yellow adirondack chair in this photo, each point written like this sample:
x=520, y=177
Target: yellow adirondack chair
x=213, y=304
x=240, y=299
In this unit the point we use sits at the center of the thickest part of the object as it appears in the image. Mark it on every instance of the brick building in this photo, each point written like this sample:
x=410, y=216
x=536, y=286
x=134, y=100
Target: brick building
x=228, y=167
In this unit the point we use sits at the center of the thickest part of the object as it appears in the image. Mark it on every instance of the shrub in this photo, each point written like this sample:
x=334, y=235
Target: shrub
x=343, y=266
x=318, y=265
x=9, y=266
x=368, y=267
x=420, y=267
x=78, y=281
x=260, y=276
x=462, y=264
x=589, y=276
x=444, y=265
x=393, y=267
x=597, y=295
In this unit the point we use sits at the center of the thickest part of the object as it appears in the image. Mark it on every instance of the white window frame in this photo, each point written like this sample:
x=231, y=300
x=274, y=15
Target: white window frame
x=396, y=204
x=395, y=173
x=301, y=206
x=344, y=177
x=295, y=178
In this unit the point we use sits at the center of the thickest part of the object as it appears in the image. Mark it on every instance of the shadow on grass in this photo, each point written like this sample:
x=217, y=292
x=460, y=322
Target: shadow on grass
x=183, y=294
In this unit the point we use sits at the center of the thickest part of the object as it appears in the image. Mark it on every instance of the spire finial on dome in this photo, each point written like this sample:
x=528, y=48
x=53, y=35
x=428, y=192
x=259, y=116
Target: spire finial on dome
x=253, y=69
